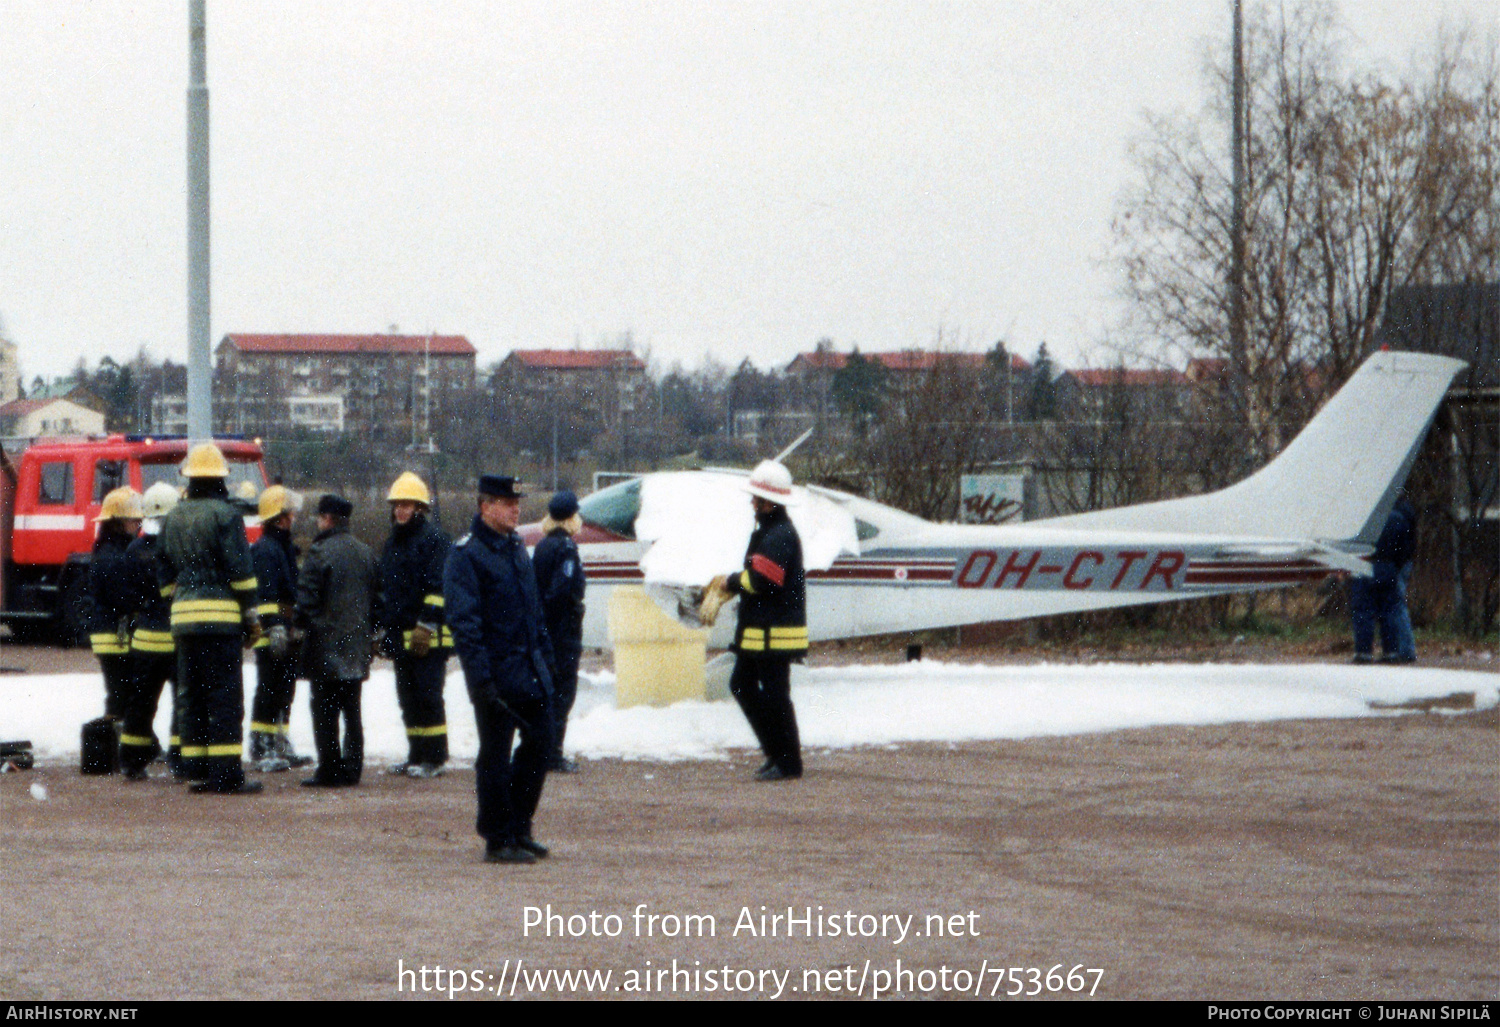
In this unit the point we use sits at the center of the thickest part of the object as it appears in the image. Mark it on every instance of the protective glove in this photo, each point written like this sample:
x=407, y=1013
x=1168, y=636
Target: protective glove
x=421, y=640
x=714, y=597
x=688, y=601
x=278, y=642
x=252, y=631
x=122, y=631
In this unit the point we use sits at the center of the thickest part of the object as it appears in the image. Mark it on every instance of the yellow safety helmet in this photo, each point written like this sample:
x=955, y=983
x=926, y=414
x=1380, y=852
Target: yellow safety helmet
x=409, y=488
x=205, y=460
x=277, y=500
x=159, y=500
x=123, y=503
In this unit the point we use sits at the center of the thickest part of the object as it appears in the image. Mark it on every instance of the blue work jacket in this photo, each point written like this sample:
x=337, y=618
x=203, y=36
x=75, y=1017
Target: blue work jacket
x=559, y=579
x=495, y=614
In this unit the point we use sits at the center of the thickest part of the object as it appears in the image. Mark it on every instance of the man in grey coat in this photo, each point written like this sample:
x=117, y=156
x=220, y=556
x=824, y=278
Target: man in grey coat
x=337, y=590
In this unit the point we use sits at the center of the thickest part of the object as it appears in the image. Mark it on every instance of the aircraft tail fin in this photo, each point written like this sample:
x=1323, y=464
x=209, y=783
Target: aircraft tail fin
x=1335, y=482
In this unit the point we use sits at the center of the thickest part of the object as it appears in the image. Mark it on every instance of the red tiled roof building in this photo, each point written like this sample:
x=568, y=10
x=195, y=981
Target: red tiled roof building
x=610, y=383
x=828, y=360
x=397, y=384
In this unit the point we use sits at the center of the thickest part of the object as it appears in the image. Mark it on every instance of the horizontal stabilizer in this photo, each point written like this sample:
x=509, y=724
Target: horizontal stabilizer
x=1337, y=559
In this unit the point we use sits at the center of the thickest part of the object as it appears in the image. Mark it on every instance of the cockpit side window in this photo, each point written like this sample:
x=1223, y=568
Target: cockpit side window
x=614, y=509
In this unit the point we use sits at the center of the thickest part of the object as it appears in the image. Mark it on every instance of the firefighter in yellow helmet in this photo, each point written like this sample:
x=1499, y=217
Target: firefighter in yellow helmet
x=206, y=570
x=152, y=651
x=276, y=653
x=110, y=597
x=411, y=617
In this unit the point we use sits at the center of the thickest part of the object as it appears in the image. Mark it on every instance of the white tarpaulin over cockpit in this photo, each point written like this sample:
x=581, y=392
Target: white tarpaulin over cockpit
x=699, y=525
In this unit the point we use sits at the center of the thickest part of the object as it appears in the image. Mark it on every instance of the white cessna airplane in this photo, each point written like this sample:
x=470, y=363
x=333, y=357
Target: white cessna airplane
x=871, y=569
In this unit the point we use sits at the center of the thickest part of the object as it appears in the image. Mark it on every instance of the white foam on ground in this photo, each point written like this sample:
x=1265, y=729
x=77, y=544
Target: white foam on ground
x=840, y=707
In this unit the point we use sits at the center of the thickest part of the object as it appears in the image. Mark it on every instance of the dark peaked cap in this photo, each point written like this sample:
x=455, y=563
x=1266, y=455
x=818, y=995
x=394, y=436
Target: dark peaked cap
x=499, y=486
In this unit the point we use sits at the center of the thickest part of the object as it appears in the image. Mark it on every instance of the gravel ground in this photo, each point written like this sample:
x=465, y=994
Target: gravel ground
x=1309, y=860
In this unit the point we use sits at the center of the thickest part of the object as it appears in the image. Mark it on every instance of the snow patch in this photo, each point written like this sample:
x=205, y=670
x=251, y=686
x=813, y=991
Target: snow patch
x=842, y=707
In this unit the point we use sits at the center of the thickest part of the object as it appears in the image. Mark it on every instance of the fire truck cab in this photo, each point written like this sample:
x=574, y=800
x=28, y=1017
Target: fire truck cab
x=48, y=502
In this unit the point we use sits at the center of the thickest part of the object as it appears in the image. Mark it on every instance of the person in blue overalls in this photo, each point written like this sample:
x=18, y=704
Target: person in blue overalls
x=1381, y=598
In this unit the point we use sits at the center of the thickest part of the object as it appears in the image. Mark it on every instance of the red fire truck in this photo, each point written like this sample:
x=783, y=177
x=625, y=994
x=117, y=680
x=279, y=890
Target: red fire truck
x=49, y=497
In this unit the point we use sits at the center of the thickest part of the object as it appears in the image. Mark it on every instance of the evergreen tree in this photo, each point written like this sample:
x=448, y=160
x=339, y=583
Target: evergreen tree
x=1043, y=399
x=858, y=390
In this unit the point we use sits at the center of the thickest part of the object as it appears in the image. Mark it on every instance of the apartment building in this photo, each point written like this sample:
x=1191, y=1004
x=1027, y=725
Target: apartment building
x=396, y=385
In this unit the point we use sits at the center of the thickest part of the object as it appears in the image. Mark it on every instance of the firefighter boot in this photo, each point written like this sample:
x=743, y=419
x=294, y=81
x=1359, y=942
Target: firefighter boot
x=264, y=753
x=285, y=751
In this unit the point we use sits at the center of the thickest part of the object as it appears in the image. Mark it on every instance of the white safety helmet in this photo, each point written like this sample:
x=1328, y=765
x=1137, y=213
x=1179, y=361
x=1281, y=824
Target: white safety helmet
x=159, y=500
x=772, y=482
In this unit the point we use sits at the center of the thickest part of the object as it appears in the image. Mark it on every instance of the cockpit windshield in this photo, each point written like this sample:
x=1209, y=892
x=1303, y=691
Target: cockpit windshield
x=614, y=509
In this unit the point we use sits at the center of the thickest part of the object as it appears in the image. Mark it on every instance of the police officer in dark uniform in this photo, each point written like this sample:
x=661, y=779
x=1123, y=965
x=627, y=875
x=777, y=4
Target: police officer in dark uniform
x=771, y=632
x=276, y=657
x=495, y=611
x=111, y=597
x=206, y=570
x=411, y=617
x=152, y=650
x=559, y=578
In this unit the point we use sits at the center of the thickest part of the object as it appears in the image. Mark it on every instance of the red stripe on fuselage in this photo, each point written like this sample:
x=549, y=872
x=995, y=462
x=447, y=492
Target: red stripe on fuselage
x=838, y=573
x=1285, y=577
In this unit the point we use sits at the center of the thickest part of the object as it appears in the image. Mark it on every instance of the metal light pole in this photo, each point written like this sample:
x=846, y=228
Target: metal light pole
x=1239, y=353
x=199, y=372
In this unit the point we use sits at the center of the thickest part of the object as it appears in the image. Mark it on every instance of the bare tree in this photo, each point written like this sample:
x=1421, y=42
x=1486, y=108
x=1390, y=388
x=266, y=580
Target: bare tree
x=927, y=434
x=468, y=437
x=1354, y=185
x=1122, y=442
x=1403, y=191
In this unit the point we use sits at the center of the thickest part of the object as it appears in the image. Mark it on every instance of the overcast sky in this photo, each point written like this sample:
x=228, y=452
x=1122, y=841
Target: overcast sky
x=714, y=177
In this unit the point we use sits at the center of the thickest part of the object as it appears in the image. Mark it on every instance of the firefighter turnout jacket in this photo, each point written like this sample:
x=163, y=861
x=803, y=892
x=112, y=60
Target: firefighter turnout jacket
x=275, y=560
x=411, y=582
x=111, y=594
x=153, y=618
x=772, y=590
x=206, y=569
